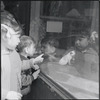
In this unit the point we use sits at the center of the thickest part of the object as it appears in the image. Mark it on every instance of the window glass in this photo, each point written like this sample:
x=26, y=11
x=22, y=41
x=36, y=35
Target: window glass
x=74, y=64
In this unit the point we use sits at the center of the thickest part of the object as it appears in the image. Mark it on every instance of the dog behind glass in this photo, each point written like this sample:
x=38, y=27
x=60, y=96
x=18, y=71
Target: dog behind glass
x=67, y=58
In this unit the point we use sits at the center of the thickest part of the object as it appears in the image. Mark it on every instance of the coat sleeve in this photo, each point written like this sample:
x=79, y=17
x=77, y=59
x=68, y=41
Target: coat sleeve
x=26, y=64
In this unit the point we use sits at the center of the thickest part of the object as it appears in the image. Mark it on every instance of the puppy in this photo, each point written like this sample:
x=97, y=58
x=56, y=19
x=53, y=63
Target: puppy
x=67, y=58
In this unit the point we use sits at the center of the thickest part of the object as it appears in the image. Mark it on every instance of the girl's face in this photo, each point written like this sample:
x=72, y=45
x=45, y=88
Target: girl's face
x=82, y=42
x=31, y=50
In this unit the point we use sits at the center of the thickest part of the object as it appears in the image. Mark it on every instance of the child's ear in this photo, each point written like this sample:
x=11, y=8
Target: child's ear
x=26, y=50
x=7, y=34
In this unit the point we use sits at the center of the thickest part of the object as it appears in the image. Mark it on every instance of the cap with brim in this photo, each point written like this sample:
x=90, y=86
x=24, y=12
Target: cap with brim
x=8, y=16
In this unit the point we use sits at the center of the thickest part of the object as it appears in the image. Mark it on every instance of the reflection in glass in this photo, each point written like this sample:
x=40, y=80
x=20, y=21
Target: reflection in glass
x=80, y=33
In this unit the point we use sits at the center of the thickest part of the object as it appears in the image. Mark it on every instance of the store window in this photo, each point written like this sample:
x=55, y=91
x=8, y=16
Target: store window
x=77, y=69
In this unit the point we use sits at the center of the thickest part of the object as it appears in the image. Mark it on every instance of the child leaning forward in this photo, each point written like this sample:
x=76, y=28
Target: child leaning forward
x=30, y=70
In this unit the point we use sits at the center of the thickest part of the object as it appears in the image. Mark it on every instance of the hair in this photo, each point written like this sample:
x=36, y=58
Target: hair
x=25, y=41
x=83, y=34
x=51, y=41
x=9, y=20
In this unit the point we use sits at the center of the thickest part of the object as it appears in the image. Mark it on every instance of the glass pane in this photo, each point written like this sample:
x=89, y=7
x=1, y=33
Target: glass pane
x=74, y=63
x=61, y=8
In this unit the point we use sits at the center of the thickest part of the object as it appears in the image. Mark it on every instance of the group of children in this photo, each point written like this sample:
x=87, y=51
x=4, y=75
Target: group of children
x=19, y=68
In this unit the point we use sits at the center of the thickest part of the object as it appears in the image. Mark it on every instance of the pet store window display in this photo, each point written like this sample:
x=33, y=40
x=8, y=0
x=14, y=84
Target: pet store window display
x=76, y=70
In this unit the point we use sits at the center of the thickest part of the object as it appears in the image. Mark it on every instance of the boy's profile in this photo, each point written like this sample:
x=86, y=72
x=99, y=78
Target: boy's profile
x=10, y=75
x=26, y=49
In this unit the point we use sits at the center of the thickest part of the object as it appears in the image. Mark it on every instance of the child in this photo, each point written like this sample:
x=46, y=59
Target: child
x=90, y=66
x=11, y=64
x=10, y=75
x=82, y=41
x=26, y=49
x=50, y=48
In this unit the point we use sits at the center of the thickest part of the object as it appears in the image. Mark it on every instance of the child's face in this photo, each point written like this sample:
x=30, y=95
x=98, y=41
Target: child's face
x=13, y=39
x=49, y=49
x=82, y=42
x=31, y=50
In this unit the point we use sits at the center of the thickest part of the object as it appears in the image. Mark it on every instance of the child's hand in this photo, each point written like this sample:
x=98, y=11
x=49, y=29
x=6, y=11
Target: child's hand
x=39, y=59
x=36, y=67
x=12, y=95
x=52, y=58
x=36, y=74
